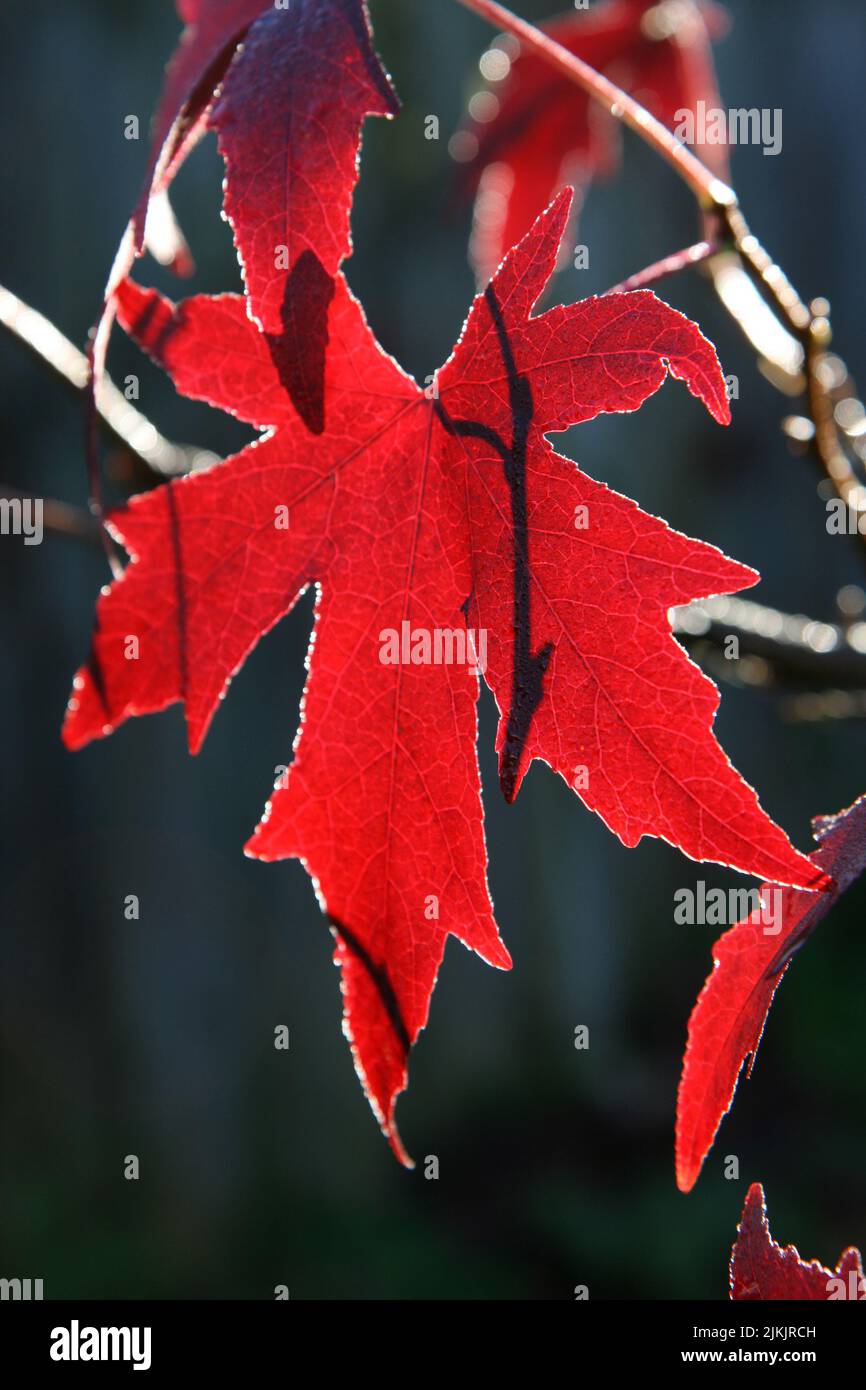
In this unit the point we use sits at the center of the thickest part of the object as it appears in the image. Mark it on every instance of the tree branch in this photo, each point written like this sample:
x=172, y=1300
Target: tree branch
x=59, y=517
x=670, y=265
x=129, y=427
x=772, y=648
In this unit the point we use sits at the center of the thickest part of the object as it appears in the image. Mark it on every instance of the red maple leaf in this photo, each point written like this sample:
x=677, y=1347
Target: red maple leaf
x=761, y=1271
x=539, y=132
x=442, y=532
x=291, y=104
x=749, y=961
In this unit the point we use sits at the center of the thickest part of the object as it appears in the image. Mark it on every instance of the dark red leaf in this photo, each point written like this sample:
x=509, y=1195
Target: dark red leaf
x=289, y=115
x=288, y=118
x=429, y=514
x=761, y=1271
x=749, y=961
x=547, y=133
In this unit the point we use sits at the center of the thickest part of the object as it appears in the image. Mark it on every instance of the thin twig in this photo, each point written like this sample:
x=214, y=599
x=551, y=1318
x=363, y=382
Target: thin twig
x=132, y=429
x=781, y=356
x=769, y=277
x=59, y=517
x=670, y=265
x=773, y=648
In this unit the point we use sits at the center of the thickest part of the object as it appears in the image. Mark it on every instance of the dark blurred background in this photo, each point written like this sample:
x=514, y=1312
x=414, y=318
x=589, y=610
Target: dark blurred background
x=155, y=1037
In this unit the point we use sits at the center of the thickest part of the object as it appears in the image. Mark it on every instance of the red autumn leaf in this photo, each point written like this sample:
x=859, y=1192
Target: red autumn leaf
x=422, y=518
x=761, y=1271
x=749, y=961
x=291, y=104
x=539, y=131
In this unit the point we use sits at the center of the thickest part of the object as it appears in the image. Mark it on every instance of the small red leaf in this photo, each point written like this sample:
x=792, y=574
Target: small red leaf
x=761, y=1271
x=749, y=961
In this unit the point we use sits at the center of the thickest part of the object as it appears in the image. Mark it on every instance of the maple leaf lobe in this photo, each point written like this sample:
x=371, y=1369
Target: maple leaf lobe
x=600, y=711
x=288, y=119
